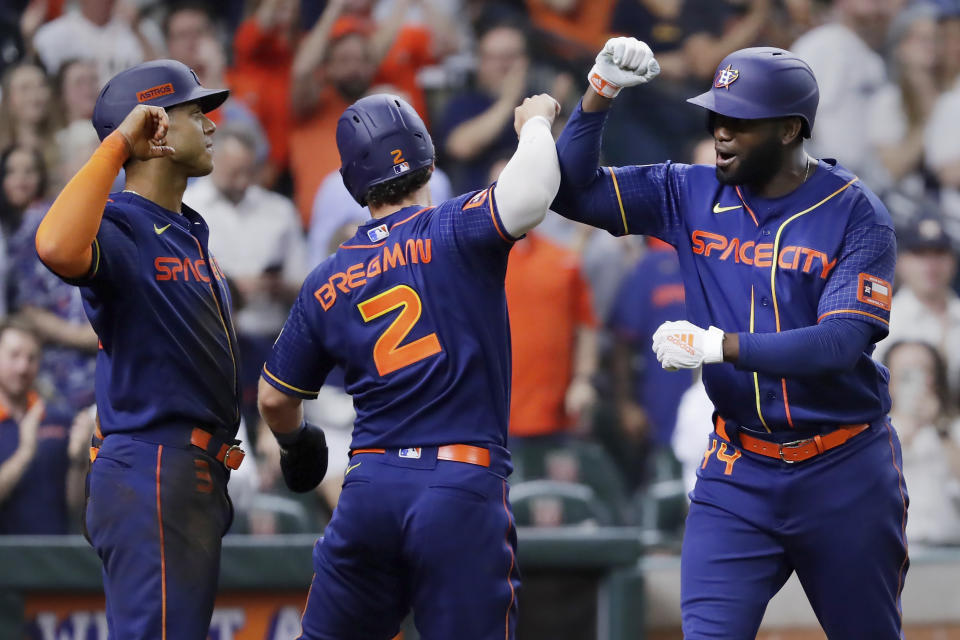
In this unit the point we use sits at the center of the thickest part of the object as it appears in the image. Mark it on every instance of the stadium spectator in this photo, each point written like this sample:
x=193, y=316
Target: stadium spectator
x=646, y=395
x=580, y=26
x=477, y=126
x=925, y=307
x=941, y=152
x=899, y=111
x=23, y=176
x=107, y=31
x=52, y=309
x=843, y=56
x=929, y=434
x=693, y=35
x=16, y=32
x=184, y=27
x=263, y=49
x=77, y=85
x=256, y=237
x=689, y=37
x=948, y=43
x=553, y=361
x=333, y=67
x=27, y=114
x=33, y=443
x=404, y=48
x=211, y=70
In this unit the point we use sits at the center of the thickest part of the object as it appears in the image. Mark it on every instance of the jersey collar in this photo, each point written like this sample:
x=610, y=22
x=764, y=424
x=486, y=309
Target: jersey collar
x=186, y=220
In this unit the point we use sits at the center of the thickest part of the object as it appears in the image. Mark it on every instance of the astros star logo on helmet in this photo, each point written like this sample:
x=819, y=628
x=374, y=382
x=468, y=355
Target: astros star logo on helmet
x=726, y=77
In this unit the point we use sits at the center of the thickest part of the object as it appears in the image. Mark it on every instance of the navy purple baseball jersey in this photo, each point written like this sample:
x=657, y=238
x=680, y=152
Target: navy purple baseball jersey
x=161, y=308
x=750, y=264
x=413, y=308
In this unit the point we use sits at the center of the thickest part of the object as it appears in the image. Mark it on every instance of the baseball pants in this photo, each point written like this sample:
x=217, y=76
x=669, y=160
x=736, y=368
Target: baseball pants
x=155, y=515
x=433, y=535
x=838, y=520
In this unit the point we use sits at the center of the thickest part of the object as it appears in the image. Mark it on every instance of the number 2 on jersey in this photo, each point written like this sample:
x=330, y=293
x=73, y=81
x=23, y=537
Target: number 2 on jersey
x=388, y=354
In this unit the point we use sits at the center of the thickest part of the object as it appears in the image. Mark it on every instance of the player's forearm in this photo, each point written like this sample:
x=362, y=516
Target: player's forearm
x=833, y=346
x=70, y=226
x=529, y=182
x=585, y=353
x=472, y=137
x=13, y=469
x=282, y=413
x=53, y=328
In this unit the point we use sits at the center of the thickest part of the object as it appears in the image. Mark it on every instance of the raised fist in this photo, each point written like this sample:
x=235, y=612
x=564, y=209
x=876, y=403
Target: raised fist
x=623, y=62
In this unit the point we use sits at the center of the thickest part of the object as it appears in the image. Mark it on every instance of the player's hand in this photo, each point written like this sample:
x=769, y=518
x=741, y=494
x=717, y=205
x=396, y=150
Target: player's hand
x=84, y=424
x=580, y=396
x=683, y=345
x=30, y=427
x=634, y=421
x=145, y=130
x=304, y=462
x=623, y=62
x=538, y=105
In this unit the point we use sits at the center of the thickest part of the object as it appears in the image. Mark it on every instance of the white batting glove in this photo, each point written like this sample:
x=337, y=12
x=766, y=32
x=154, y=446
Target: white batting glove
x=683, y=345
x=623, y=62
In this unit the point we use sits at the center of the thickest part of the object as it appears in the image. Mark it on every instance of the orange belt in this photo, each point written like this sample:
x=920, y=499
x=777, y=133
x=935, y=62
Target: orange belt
x=230, y=455
x=797, y=450
x=453, y=452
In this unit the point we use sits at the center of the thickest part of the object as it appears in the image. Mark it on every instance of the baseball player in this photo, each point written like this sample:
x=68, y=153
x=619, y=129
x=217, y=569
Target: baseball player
x=413, y=308
x=166, y=379
x=787, y=262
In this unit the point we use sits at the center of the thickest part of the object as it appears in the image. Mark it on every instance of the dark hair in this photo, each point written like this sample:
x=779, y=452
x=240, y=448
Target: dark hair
x=506, y=21
x=941, y=385
x=10, y=217
x=186, y=5
x=395, y=190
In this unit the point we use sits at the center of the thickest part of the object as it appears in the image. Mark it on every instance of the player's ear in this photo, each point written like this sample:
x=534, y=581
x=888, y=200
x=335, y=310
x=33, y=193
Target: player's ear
x=790, y=129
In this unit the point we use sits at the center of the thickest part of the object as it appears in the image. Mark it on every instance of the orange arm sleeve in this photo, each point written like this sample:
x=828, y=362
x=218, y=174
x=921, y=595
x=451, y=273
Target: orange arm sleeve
x=67, y=232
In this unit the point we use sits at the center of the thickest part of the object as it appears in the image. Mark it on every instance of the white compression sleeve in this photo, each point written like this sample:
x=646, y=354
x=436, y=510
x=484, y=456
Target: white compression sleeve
x=530, y=180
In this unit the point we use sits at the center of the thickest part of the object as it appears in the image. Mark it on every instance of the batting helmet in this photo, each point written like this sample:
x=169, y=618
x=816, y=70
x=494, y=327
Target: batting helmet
x=380, y=138
x=763, y=82
x=162, y=83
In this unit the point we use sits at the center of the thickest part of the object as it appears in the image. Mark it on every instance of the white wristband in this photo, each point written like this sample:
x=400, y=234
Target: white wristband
x=601, y=85
x=713, y=346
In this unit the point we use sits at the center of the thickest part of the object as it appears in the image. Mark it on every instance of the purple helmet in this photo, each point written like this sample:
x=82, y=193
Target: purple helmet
x=763, y=82
x=161, y=83
x=380, y=138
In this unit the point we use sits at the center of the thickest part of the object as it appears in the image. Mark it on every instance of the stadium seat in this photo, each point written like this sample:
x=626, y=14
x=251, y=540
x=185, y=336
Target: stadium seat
x=662, y=505
x=574, y=461
x=556, y=503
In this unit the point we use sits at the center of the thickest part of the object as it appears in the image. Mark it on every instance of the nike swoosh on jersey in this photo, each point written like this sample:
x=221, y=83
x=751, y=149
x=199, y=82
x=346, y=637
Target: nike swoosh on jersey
x=351, y=468
x=159, y=230
x=718, y=209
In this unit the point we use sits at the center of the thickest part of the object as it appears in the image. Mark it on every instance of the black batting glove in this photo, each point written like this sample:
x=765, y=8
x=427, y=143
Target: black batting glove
x=304, y=461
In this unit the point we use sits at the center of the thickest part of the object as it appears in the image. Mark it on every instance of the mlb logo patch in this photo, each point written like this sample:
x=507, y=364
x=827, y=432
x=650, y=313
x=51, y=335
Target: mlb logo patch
x=378, y=233
x=403, y=167
x=412, y=452
x=874, y=291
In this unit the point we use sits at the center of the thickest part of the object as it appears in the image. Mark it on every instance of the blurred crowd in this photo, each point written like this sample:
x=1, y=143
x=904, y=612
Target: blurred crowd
x=601, y=435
